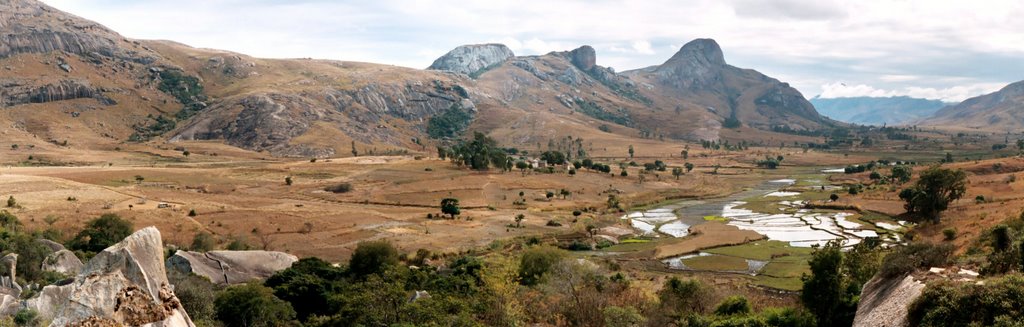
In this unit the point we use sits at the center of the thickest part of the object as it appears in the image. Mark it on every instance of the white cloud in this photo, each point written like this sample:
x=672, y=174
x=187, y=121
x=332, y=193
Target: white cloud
x=871, y=42
x=950, y=94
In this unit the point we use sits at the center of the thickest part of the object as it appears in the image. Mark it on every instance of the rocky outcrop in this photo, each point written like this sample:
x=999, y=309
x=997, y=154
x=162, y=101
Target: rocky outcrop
x=471, y=59
x=884, y=301
x=63, y=261
x=698, y=63
x=29, y=26
x=8, y=275
x=125, y=284
x=231, y=267
x=584, y=58
x=14, y=92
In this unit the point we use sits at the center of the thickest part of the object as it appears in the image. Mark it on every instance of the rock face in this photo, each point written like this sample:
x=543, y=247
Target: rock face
x=231, y=267
x=697, y=64
x=29, y=26
x=583, y=57
x=124, y=285
x=8, y=276
x=471, y=59
x=14, y=92
x=884, y=301
x=63, y=261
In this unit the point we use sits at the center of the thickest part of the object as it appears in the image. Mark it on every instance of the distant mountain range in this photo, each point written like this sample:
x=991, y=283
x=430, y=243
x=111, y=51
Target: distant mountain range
x=877, y=111
x=1002, y=110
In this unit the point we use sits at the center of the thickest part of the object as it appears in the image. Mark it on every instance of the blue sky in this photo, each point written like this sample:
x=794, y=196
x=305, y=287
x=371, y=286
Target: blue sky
x=936, y=49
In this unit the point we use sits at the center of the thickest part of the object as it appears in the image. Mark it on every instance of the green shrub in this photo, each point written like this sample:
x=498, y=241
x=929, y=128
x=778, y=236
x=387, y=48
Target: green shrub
x=915, y=255
x=949, y=234
x=997, y=302
x=196, y=295
x=202, y=242
x=101, y=233
x=536, y=263
x=733, y=305
x=372, y=257
x=252, y=305
x=450, y=123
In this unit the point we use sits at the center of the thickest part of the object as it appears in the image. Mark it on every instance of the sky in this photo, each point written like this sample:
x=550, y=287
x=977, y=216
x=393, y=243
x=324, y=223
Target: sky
x=935, y=49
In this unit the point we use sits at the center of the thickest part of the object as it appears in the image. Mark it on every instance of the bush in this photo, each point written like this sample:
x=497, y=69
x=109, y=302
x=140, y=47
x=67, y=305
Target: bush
x=684, y=296
x=553, y=223
x=622, y=317
x=26, y=317
x=101, y=233
x=536, y=263
x=202, y=242
x=339, y=188
x=372, y=257
x=949, y=234
x=195, y=293
x=733, y=305
x=252, y=305
x=997, y=302
x=916, y=255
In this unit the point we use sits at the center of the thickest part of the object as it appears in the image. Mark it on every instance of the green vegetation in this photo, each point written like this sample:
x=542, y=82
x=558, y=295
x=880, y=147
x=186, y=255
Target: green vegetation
x=450, y=206
x=762, y=250
x=997, y=302
x=101, y=233
x=252, y=305
x=832, y=290
x=536, y=263
x=716, y=263
x=594, y=110
x=479, y=153
x=933, y=192
x=450, y=123
x=184, y=88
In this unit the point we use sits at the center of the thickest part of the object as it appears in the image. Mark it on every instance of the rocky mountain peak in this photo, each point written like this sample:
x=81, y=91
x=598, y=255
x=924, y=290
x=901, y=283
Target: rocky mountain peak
x=473, y=58
x=584, y=58
x=699, y=52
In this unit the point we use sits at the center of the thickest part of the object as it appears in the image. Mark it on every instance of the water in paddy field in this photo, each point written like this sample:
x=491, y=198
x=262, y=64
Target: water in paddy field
x=799, y=227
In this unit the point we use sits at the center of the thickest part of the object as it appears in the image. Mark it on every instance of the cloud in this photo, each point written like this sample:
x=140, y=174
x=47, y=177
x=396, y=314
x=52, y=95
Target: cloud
x=881, y=43
x=950, y=94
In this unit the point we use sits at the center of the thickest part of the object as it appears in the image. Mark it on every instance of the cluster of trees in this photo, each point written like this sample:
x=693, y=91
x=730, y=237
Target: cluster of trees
x=187, y=89
x=479, y=153
x=769, y=162
x=450, y=123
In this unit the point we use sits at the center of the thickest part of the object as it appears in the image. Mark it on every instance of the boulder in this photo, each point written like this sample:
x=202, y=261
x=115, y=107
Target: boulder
x=124, y=284
x=471, y=59
x=8, y=275
x=231, y=267
x=583, y=57
x=884, y=301
x=54, y=246
x=63, y=261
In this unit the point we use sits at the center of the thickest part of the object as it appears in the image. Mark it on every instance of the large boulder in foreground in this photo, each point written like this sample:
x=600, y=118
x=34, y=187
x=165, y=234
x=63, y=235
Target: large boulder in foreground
x=124, y=285
x=63, y=261
x=884, y=302
x=231, y=267
x=472, y=59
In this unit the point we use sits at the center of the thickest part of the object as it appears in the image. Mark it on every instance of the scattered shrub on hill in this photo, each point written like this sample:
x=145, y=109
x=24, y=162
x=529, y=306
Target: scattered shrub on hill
x=339, y=188
x=907, y=258
x=536, y=263
x=997, y=302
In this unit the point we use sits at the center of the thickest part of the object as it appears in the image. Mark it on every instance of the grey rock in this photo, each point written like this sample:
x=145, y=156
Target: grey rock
x=8, y=275
x=470, y=59
x=124, y=284
x=63, y=261
x=15, y=92
x=697, y=63
x=884, y=301
x=54, y=246
x=584, y=57
x=231, y=267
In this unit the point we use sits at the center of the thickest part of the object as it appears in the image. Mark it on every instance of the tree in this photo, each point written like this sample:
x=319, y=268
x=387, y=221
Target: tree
x=825, y=291
x=288, y=180
x=875, y=175
x=564, y=193
x=519, y=220
x=11, y=202
x=192, y=213
x=355, y=153
x=139, y=179
x=588, y=163
x=186, y=153
x=308, y=284
x=689, y=167
x=522, y=166
x=101, y=233
x=834, y=197
x=536, y=263
x=372, y=257
x=733, y=305
x=686, y=154
x=676, y=171
x=933, y=192
x=901, y=174
x=202, y=242
x=252, y=305
x=631, y=152
x=450, y=206
x=549, y=195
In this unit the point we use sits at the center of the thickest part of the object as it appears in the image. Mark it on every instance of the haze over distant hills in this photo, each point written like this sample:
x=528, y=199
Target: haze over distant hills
x=1002, y=110
x=877, y=110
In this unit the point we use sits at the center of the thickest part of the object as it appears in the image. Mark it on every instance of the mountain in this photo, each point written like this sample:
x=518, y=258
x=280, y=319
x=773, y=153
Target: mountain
x=1002, y=110
x=71, y=86
x=698, y=73
x=876, y=110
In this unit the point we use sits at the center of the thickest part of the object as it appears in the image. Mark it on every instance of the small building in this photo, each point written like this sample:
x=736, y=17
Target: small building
x=163, y=205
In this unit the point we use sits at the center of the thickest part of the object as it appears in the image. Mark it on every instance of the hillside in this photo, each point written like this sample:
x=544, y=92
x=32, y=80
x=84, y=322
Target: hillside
x=1002, y=110
x=69, y=79
x=877, y=111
